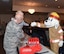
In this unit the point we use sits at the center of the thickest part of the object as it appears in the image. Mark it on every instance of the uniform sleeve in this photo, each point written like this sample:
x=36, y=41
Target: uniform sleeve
x=25, y=24
x=60, y=31
x=21, y=34
x=11, y=28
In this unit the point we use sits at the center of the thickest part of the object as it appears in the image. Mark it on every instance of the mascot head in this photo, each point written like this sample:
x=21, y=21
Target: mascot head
x=53, y=20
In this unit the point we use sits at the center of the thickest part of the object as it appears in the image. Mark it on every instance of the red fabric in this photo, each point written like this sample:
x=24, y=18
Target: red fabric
x=36, y=48
x=33, y=40
x=26, y=50
x=32, y=47
x=55, y=17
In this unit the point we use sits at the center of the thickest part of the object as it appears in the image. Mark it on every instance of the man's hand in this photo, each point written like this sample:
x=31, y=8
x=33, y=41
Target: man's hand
x=60, y=43
x=33, y=24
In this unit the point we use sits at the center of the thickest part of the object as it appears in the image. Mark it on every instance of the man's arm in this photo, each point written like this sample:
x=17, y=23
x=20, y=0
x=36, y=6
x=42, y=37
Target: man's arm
x=25, y=24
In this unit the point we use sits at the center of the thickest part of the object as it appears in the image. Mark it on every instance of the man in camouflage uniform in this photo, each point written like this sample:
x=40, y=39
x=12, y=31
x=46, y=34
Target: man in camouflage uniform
x=14, y=33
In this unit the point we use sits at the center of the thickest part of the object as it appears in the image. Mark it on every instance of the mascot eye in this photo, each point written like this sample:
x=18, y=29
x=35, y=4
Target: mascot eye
x=51, y=19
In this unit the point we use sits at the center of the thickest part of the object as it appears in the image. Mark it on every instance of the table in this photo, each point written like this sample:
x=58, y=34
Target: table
x=45, y=50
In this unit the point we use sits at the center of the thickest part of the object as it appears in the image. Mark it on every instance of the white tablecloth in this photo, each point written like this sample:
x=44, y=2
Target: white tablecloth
x=45, y=50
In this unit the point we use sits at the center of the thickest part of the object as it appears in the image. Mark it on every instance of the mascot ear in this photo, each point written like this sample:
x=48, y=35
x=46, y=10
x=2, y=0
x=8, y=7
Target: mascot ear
x=56, y=26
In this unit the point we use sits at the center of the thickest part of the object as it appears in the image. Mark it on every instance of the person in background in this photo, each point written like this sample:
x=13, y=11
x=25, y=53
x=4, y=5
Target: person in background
x=14, y=33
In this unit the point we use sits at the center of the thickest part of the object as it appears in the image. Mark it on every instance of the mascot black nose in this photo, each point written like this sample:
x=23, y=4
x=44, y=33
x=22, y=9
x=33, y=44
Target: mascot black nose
x=46, y=20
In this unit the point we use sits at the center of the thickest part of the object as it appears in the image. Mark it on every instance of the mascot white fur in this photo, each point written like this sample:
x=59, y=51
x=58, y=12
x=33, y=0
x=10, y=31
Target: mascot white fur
x=55, y=30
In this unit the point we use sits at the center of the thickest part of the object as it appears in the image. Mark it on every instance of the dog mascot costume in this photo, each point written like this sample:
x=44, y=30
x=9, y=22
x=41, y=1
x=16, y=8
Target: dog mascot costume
x=55, y=31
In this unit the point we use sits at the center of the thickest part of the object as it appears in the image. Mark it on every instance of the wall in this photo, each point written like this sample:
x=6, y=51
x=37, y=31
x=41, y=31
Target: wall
x=27, y=17
x=34, y=17
x=5, y=17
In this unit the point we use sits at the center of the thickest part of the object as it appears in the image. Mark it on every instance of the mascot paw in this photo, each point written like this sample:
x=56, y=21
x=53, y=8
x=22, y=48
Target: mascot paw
x=33, y=24
x=60, y=44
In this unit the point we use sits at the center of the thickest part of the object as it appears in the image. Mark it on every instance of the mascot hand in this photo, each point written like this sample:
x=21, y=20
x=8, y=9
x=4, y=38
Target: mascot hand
x=33, y=24
x=60, y=43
